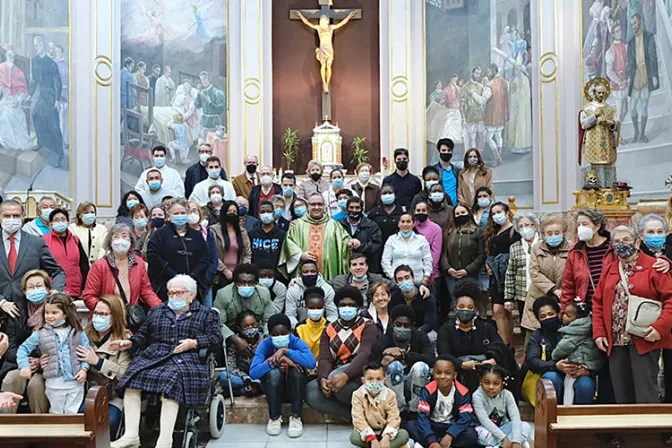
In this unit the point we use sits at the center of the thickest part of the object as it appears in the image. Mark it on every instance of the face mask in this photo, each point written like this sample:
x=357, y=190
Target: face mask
x=230, y=218
x=483, y=202
x=246, y=291
x=36, y=295
x=446, y=156
x=309, y=280
x=157, y=223
x=101, y=323
x=60, y=227
x=214, y=173
x=154, y=184
x=342, y=203
x=554, y=241
x=266, y=180
x=550, y=324
x=11, y=225
x=280, y=341
x=251, y=168
x=194, y=218
x=364, y=176
x=472, y=161
x=267, y=282
x=159, y=162
x=387, y=199
x=242, y=210
x=436, y=197
x=499, y=218
x=315, y=315
x=300, y=211
x=401, y=334
x=355, y=216
x=251, y=333
x=527, y=233
x=121, y=246
x=347, y=313
x=337, y=183
x=177, y=304
x=46, y=212
x=430, y=183
x=316, y=176
x=402, y=165
x=288, y=192
x=216, y=198
x=465, y=316
x=60, y=323
x=406, y=285
x=277, y=213
x=461, y=220
x=624, y=250
x=203, y=157
x=421, y=217
x=585, y=233
x=406, y=234
x=655, y=241
x=374, y=388
x=266, y=218
x=140, y=223
x=132, y=203
x=88, y=218
x=180, y=220
x=358, y=279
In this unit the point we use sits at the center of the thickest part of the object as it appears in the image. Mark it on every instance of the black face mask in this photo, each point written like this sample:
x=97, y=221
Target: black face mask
x=402, y=165
x=446, y=156
x=230, y=218
x=251, y=169
x=355, y=216
x=157, y=223
x=421, y=217
x=315, y=176
x=461, y=220
x=550, y=324
x=309, y=280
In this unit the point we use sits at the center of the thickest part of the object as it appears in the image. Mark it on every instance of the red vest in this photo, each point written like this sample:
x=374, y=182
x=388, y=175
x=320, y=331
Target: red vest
x=620, y=60
x=67, y=255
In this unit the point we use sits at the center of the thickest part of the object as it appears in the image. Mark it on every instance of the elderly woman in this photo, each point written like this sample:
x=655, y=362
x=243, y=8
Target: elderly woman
x=315, y=183
x=90, y=234
x=140, y=215
x=364, y=187
x=410, y=248
x=378, y=310
x=167, y=360
x=547, y=262
x=215, y=204
x=633, y=352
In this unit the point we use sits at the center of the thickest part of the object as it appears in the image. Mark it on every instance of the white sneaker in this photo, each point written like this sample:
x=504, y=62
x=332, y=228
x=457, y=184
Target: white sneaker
x=126, y=442
x=274, y=427
x=526, y=444
x=295, y=427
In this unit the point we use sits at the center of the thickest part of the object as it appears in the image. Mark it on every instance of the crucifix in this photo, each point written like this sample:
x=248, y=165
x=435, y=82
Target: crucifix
x=325, y=30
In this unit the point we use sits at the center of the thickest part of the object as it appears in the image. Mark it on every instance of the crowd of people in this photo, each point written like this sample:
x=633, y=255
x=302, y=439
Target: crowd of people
x=365, y=302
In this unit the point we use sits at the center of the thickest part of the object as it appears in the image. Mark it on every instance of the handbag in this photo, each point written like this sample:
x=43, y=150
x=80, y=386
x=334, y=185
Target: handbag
x=529, y=387
x=135, y=314
x=642, y=312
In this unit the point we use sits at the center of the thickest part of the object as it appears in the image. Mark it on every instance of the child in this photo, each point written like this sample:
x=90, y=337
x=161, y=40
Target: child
x=444, y=413
x=577, y=345
x=181, y=142
x=238, y=364
x=497, y=412
x=375, y=415
x=295, y=304
x=277, y=289
x=58, y=337
x=281, y=359
x=310, y=329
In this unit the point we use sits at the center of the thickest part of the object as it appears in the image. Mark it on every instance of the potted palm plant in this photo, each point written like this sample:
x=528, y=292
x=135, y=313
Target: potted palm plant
x=359, y=153
x=290, y=144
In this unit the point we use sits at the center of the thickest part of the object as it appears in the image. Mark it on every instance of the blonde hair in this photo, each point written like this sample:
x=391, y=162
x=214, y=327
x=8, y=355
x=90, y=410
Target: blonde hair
x=363, y=165
x=315, y=163
x=117, y=319
x=551, y=219
x=81, y=209
x=36, y=273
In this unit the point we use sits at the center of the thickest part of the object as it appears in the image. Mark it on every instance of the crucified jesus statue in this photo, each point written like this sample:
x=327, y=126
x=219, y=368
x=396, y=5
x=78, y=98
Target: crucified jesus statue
x=325, y=53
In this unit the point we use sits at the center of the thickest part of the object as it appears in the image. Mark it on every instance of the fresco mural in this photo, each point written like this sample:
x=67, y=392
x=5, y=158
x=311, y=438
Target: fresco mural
x=34, y=96
x=173, y=82
x=479, y=87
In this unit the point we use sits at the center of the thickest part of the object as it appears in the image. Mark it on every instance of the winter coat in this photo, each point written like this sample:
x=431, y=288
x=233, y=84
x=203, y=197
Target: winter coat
x=255, y=195
x=244, y=252
x=72, y=258
x=577, y=345
x=369, y=194
x=114, y=363
x=183, y=377
x=576, y=276
x=389, y=224
x=419, y=349
x=464, y=249
x=229, y=303
x=371, y=239
x=92, y=239
x=482, y=178
x=540, y=342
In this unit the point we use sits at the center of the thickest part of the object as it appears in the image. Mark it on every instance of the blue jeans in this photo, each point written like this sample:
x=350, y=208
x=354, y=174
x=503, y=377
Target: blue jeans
x=276, y=383
x=584, y=387
x=236, y=383
x=207, y=300
x=115, y=419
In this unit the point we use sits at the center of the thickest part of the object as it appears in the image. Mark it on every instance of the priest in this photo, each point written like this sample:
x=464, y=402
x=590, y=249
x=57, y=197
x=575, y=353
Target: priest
x=316, y=237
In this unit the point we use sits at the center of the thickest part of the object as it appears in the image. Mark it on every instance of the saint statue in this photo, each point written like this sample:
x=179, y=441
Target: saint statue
x=325, y=52
x=599, y=132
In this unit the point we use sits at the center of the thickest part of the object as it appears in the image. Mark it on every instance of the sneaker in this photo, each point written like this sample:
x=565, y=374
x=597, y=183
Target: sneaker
x=295, y=427
x=526, y=444
x=417, y=445
x=126, y=442
x=274, y=427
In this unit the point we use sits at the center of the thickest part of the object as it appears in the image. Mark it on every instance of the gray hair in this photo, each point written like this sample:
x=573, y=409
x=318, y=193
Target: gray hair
x=215, y=187
x=595, y=216
x=177, y=201
x=523, y=215
x=107, y=243
x=11, y=203
x=317, y=194
x=653, y=217
x=45, y=198
x=626, y=229
x=186, y=280
x=278, y=198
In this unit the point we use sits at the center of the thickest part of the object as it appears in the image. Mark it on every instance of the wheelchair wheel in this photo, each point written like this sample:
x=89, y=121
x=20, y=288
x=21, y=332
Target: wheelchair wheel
x=217, y=416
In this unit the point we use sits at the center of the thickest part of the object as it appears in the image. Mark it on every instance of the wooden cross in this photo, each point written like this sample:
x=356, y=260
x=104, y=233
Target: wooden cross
x=332, y=14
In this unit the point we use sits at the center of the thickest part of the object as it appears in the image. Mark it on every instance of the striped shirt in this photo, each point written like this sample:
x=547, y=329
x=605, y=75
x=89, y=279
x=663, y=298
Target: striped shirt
x=595, y=257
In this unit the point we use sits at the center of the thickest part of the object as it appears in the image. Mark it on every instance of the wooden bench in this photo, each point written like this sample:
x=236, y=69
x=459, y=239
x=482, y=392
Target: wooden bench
x=88, y=430
x=613, y=426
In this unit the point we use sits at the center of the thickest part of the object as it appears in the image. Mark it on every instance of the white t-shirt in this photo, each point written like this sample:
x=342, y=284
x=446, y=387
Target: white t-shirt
x=443, y=411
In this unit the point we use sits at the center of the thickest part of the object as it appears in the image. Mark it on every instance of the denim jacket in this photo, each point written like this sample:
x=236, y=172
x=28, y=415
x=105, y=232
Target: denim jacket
x=65, y=369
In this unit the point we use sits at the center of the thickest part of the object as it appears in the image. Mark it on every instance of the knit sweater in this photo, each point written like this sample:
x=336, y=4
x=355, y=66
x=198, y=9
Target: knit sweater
x=341, y=345
x=493, y=413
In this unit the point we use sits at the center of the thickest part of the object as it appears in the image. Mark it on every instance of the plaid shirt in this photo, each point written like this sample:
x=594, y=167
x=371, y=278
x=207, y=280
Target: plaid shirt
x=515, y=286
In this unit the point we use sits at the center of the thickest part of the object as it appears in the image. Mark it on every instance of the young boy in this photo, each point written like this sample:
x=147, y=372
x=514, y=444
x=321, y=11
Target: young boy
x=445, y=412
x=267, y=278
x=375, y=415
x=279, y=359
x=310, y=329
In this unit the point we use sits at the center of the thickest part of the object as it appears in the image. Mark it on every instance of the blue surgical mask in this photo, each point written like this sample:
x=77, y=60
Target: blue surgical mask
x=180, y=220
x=300, y=211
x=140, y=223
x=430, y=183
x=60, y=323
x=280, y=341
x=59, y=227
x=358, y=279
x=406, y=234
x=315, y=315
x=101, y=323
x=246, y=291
x=267, y=282
x=159, y=162
x=387, y=199
x=46, y=212
x=177, y=304
x=266, y=218
x=655, y=241
x=337, y=183
x=483, y=202
x=214, y=173
x=132, y=203
x=374, y=388
x=406, y=285
x=437, y=196
x=278, y=213
x=342, y=203
x=36, y=295
x=154, y=184
x=499, y=218
x=88, y=218
x=347, y=313
x=554, y=241
x=288, y=192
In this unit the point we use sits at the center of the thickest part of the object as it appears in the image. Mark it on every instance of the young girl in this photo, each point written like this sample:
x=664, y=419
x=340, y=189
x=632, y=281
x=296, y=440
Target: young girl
x=59, y=337
x=577, y=345
x=238, y=365
x=497, y=413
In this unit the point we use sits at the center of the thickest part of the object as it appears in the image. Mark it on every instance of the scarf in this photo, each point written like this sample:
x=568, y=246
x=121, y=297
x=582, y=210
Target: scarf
x=35, y=312
x=527, y=247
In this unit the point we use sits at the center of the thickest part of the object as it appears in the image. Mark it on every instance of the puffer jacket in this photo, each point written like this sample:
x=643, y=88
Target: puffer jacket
x=577, y=345
x=464, y=250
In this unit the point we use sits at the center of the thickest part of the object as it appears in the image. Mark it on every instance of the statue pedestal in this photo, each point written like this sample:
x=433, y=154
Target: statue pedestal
x=612, y=203
x=327, y=142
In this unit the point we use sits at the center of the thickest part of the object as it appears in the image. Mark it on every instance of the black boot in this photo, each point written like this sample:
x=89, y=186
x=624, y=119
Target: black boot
x=643, y=137
x=635, y=124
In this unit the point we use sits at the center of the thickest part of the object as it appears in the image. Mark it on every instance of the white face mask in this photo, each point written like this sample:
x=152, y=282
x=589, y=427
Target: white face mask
x=216, y=198
x=203, y=157
x=121, y=246
x=194, y=218
x=266, y=180
x=585, y=233
x=499, y=218
x=364, y=176
x=11, y=225
x=527, y=233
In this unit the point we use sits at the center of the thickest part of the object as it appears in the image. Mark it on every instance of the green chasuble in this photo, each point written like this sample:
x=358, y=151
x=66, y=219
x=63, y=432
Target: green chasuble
x=324, y=238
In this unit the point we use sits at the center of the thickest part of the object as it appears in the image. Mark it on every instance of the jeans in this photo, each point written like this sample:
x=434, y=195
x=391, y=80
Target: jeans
x=411, y=386
x=237, y=383
x=486, y=438
x=584, y=387
x=115, y=419
x=338, y=404
x=467, y=439
x=274, y=383
x=207, y=300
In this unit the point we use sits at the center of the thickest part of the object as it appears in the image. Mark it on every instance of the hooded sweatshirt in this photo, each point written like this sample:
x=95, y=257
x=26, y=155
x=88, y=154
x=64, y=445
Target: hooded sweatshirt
x=295, y=305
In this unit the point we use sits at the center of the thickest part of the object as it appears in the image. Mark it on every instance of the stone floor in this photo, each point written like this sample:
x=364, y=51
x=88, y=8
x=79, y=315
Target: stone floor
x=254, y=436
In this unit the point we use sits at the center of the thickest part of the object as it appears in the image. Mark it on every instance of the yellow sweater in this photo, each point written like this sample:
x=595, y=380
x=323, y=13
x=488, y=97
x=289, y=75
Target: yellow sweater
x=310, y=333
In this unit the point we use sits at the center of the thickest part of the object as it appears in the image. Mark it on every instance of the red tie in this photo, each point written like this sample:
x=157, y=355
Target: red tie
x=11, y=257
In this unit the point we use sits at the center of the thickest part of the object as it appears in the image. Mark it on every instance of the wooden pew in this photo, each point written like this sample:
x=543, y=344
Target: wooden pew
x=90, y=430
x=612, y=426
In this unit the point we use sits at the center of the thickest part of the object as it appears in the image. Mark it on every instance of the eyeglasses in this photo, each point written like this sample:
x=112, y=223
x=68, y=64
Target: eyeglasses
x=177, y=292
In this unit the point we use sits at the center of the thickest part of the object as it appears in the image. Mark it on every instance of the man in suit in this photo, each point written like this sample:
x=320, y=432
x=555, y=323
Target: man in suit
x=22, y=253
